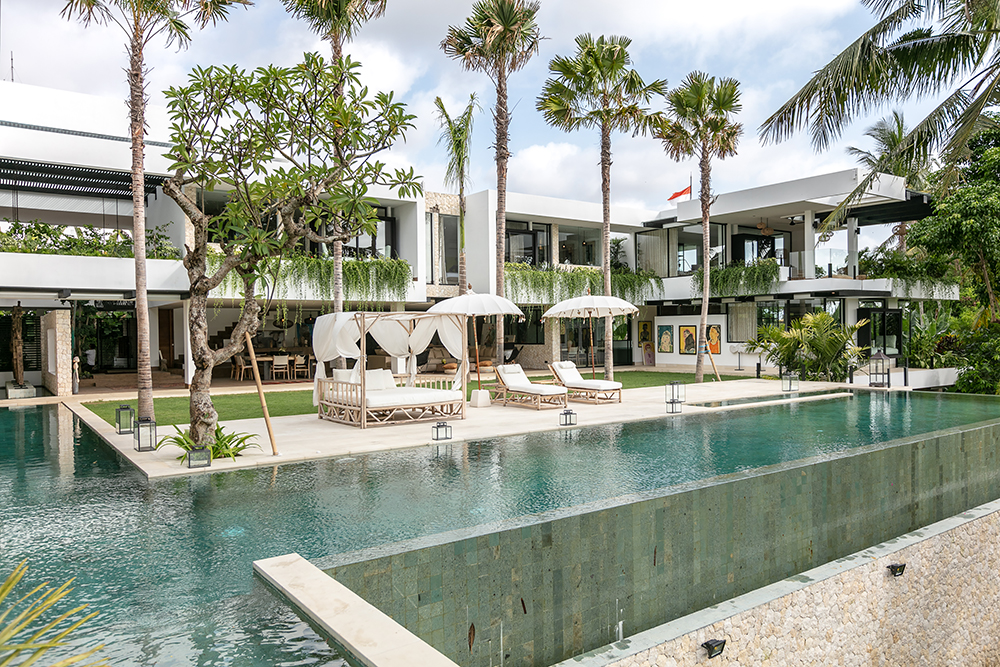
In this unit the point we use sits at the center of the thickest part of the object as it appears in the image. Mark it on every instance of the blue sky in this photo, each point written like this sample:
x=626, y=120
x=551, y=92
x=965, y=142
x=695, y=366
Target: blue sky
x=770, y=46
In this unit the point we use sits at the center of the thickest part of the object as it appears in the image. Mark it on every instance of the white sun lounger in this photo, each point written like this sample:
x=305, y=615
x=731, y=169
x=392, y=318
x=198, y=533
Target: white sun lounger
x=596, y=391
x=513, y=386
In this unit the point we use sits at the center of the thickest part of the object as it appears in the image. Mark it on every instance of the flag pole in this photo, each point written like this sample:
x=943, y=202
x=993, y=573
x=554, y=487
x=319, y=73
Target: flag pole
x=690, y=185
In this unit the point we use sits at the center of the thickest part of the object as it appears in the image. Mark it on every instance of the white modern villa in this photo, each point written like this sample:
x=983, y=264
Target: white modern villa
x=64, y=160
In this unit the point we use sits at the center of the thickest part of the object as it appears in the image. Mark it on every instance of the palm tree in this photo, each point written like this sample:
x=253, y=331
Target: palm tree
x=889, y=135
x=499, y=38
x=917, y=48
x=700, y=123
x=597, y=89
x=337, y=21
x=456, y=134
x=142, y=21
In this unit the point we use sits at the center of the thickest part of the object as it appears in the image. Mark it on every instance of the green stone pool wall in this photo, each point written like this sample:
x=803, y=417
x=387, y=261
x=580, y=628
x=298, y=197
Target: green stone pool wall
x=555, y=585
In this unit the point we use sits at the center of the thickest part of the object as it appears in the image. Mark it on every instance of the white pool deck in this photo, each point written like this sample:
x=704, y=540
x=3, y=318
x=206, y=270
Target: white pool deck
x=306, y=437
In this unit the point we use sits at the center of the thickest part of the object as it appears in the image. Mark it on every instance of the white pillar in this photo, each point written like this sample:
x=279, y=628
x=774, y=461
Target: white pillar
x=188, y=361
x=851, y=312
x=852, y=247
x=809, y=246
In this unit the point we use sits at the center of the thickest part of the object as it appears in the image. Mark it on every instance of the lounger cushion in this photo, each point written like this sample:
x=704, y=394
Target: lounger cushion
x=341, y=375
x=513, y=376
x=570, y=376
x=410, y=397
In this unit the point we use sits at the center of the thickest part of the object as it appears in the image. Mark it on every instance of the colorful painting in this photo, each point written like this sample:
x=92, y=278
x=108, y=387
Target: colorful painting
x=688, y=339
x=715, y=338
x=665, y=338
x=645, y=332
x=648, y=356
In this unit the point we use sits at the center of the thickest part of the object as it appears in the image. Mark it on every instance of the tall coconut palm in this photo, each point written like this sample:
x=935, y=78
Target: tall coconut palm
x=917, y=48
x=699, y=122
x=143, y=21
x=888, y=157
x=456, y=135
x=337, y=21
x=499, y=38
x=597, y=89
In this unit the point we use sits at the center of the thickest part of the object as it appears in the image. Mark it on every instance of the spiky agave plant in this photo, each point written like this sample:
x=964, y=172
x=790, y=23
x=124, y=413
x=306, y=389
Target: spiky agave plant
x=26, y=634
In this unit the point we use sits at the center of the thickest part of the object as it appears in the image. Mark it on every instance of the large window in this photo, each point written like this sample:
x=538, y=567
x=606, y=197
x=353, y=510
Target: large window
x=429, y=244
x=651, y=251
x=741, y=322
x=579, y=245
x=448, y=225
x=380, y=244
x=751, y=244
x=690, y=244
x=530, y=330
x=31, y=338
x=527, y=243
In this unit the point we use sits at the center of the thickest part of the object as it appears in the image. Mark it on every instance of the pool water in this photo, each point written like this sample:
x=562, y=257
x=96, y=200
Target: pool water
x=168, y=562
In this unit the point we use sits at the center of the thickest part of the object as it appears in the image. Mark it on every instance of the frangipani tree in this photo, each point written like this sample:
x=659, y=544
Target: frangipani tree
x=456, y=135
x=337, y=21
x=297, y=162
x=700, y=123
x=597, y=89
x=143, y=21
x=498, y=39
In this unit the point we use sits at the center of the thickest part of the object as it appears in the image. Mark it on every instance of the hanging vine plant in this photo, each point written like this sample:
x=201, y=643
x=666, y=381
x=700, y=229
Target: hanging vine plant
x=369, y=282
x=759, y=277
x=525, y=283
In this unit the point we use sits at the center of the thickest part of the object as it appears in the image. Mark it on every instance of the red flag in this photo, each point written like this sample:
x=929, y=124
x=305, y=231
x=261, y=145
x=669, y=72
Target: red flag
x=685, y=191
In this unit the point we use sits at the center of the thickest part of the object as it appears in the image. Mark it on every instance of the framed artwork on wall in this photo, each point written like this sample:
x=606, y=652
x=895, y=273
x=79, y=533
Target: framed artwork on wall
x=715, y=338
x=648, y=356
x=645, y=332
x=665, y=338
x=688, y=339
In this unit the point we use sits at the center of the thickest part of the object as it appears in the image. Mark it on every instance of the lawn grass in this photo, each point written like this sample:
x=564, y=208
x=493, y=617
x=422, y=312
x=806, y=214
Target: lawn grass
x=170, y=411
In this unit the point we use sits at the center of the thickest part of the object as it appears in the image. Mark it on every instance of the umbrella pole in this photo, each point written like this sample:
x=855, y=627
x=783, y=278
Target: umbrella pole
x=593, y=370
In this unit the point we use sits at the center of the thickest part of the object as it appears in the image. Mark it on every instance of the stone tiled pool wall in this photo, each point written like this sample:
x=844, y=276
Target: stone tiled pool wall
x=552, y=586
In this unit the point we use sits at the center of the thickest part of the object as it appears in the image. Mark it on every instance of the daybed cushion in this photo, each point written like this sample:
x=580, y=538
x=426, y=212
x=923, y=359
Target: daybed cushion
x=341, y=375
x=410, y=397
x=570, y=376
x=515, y=379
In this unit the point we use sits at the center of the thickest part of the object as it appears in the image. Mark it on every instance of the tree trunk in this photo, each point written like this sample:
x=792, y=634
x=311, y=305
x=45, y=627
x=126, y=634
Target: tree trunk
x=203, y=414
x=336, y=46
x=609, y=366
x=463, y=279
x=17, y=343
x=137, y=109
x=502, y=154
x=706, y=246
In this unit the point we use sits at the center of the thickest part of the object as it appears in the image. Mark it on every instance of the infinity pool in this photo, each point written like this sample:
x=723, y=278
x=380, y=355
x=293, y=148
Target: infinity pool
x=168, y=562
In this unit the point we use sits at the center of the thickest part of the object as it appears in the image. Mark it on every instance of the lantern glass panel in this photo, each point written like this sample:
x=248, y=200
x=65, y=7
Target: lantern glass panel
x=144, y=435
x=441, y=431
x=675, y=391
x=124, y=419
x=790, y=382
x=674, y=407
x=878, y=370
x=567, y=418
x=199, y=457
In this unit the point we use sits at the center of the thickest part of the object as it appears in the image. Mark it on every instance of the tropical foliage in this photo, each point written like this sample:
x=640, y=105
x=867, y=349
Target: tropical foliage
x=223, y=445
x=979, y=361
x=929, y=325
x=497, y=39
x=738, y=279
x=700, y=123
x=816, y=345
x=27, y=629
x=550, y=284
x=598, y=89
x=456, y=135
x=889, y=135
x=230, y=127
x=44, y=239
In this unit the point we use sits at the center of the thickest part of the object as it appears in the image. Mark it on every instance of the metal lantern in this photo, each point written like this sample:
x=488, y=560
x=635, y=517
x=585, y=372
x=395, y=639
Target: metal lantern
x=567, y=418
x=674, y=407
x=790, y=382
x=714, y=647
x=144, y=435
x=124, y=419
x=441, y=431
x=896, y=569
x=878, y=370
x=675, y=391
x=199, y=457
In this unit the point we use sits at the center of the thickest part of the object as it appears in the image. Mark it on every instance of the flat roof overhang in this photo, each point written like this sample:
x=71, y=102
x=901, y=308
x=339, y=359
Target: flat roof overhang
x=27, y=176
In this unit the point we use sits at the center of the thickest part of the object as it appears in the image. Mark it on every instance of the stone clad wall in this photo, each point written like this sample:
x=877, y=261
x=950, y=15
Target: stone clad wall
x=558, y=587
x=943, y=610
x=59, y=382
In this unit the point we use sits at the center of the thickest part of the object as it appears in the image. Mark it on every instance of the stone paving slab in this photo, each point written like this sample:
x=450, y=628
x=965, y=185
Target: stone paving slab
x=306, y=437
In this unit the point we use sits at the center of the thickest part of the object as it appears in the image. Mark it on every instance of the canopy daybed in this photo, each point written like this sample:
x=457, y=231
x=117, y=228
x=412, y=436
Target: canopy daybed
x=367, y=397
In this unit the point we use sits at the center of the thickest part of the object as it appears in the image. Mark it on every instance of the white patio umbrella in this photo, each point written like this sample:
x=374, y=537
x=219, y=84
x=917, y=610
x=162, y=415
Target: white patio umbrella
x=476, y=304
x=591, y=306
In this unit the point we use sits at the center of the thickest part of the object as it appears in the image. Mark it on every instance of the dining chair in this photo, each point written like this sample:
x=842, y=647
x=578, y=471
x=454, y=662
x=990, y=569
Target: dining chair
x=301, y=368
x=280, y=367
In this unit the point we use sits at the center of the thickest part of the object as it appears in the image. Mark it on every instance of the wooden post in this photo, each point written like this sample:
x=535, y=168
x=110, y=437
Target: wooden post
x=712, y=359
x=465, y=359
x=260, y=392
x=363, y=360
